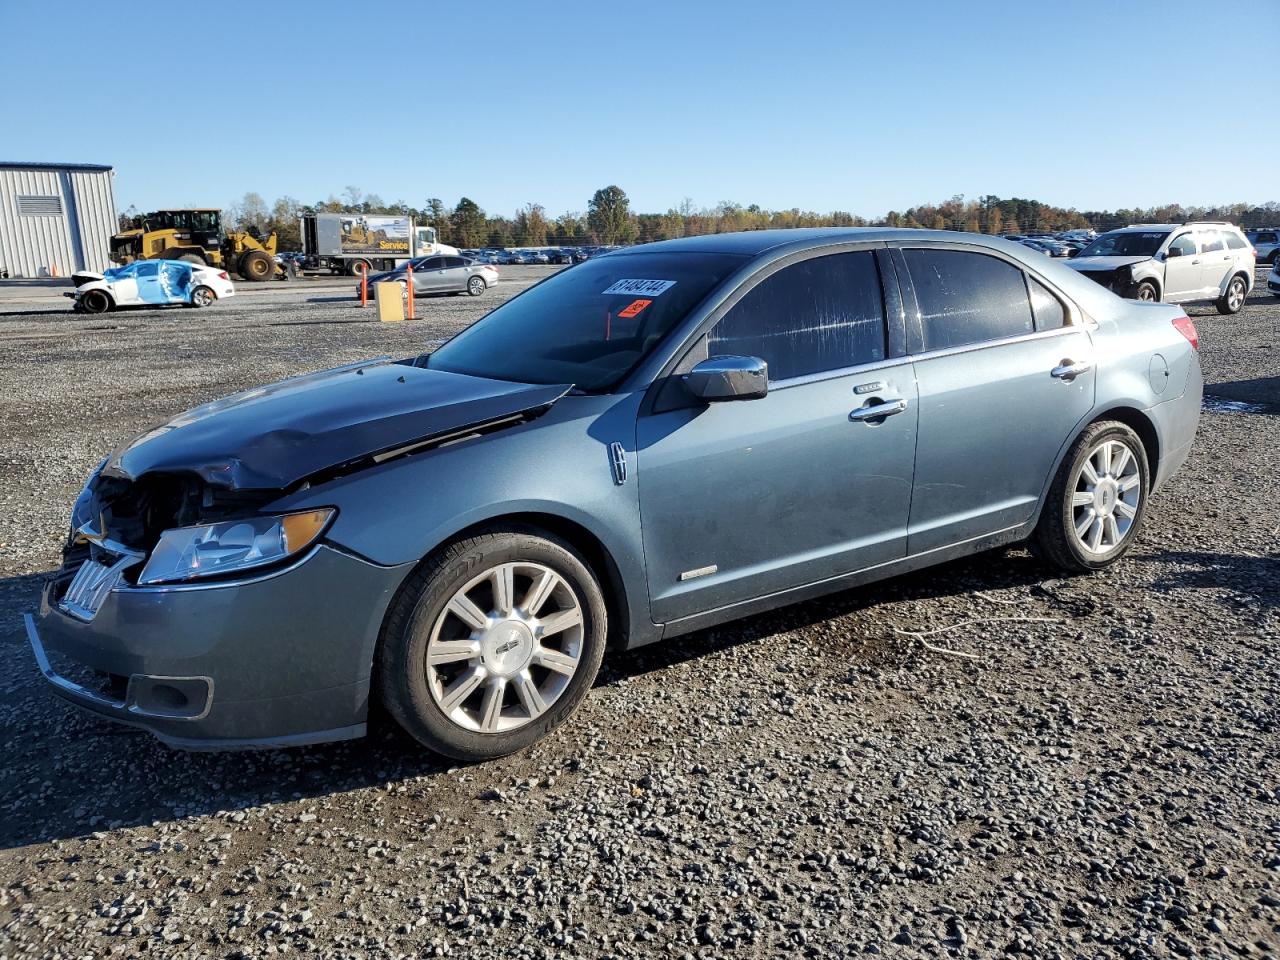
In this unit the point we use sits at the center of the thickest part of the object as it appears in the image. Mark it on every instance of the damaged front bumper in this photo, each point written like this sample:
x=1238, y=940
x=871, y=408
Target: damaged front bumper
x=280, y=659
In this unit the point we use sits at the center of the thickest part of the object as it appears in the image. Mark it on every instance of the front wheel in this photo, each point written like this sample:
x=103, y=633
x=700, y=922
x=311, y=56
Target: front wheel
x=95, y=301
x=1231, y=301
x=1146, y=291
x=476, y=286
x=492, y=643
x=1097, y=501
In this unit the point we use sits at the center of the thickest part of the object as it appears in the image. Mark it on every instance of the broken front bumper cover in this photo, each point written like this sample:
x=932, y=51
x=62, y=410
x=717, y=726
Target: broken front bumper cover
x=281, y=659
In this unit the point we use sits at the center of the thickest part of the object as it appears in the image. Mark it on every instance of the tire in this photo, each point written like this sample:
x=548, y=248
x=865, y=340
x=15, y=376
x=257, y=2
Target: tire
x=476, y=286
x=257, y=266
x=355, y=266
x=497, y=663
x=96, y=301
x=1275, y=257
x=1146, y=292
x=1057, y=537
x=1233, y=300
x=202, y=296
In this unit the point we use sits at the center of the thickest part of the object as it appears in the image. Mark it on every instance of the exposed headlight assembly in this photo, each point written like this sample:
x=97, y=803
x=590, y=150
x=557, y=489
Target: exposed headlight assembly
x=212, y=549
x=81, y=511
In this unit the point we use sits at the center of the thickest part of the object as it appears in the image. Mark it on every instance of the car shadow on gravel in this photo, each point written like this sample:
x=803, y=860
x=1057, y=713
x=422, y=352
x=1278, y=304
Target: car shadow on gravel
x=1261, y=391
x=65, y=773
x=1254, y=580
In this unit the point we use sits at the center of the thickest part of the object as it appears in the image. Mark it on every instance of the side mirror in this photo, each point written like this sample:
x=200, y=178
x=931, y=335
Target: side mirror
x=729, y=378
x=1172, y=252
x=1073, y=251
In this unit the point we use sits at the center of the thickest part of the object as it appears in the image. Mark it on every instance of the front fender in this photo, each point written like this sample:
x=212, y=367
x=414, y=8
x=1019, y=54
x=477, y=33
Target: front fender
x=557, y=465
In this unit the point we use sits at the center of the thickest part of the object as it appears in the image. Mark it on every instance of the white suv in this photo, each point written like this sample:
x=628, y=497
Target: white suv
x=1172, y=262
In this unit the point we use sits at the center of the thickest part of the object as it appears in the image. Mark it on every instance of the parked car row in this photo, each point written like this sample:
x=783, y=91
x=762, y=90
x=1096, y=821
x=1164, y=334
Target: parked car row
x=1066, y=243
x=558, y=255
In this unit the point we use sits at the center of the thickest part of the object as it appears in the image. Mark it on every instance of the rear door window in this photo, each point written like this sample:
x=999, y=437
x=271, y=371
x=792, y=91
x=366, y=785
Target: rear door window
x=967, y=297
x=1210, y=241
x=815, y=316
x=452, y=262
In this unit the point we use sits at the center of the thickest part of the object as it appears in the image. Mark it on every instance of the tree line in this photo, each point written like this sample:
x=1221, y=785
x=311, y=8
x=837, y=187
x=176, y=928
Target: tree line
x=609, y=218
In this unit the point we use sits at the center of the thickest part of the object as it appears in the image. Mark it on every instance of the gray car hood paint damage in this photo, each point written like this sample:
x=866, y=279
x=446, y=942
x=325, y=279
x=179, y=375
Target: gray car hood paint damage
x=275, y=436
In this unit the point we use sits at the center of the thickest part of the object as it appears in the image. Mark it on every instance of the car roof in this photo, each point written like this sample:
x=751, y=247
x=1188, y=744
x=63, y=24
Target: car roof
x=753, y=243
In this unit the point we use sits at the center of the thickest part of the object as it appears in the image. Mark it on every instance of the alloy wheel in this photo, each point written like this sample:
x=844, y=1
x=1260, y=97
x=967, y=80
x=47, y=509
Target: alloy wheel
x=505, y=647
x=1235, y=294
x=1105, y=498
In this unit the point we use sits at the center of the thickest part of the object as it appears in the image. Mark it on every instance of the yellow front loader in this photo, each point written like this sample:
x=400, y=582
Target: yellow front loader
x=195, y=235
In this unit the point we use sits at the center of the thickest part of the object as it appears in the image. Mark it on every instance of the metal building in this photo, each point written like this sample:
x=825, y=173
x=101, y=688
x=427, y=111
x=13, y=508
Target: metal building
x=55, y=218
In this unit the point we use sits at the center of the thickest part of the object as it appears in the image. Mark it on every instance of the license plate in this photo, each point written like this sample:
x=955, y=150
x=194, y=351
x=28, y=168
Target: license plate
x=90, y=586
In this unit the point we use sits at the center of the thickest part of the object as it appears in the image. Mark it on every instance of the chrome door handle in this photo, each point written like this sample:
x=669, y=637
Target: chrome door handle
x=878, y=411
x=1070, y=369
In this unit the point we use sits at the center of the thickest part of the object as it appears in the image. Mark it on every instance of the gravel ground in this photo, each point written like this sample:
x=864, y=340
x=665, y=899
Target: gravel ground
x=1102, y=781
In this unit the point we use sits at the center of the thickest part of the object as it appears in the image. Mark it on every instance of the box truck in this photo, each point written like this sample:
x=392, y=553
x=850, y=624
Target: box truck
x=351, y=242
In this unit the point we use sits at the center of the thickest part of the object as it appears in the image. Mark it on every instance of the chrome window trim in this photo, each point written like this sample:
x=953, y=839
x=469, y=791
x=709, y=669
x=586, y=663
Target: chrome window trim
x=853, y=371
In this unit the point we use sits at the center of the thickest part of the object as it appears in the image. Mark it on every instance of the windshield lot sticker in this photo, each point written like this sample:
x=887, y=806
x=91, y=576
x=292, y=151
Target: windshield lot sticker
x=633, y=308
x=647, y=288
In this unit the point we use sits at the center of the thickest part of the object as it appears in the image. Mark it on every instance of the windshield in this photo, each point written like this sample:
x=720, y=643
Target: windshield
x=589, y=325
x=1125, y=244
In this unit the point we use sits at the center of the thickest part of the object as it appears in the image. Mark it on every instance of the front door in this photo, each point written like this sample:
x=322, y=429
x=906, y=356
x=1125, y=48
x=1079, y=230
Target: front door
x=1183, y=269
x=742, y=499
x=1004, y=380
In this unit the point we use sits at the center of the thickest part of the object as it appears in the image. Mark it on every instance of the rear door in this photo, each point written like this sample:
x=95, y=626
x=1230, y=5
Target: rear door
x=1005, y=379
x=1216, y=261
x=454, y=274
x=747, y=498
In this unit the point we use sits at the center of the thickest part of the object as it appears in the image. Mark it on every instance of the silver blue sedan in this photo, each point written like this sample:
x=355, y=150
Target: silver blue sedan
x=658, y=440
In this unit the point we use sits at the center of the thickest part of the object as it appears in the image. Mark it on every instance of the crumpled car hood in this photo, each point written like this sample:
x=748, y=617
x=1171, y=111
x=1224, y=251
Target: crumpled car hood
x=274, y=436
x=1103, y=263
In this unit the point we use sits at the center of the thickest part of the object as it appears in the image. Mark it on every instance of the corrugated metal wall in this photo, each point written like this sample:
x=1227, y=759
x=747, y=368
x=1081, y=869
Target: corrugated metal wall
x=76, y=239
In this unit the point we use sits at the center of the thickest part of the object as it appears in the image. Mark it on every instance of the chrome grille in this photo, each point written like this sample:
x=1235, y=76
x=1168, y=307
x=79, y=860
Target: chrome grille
x=91, y=584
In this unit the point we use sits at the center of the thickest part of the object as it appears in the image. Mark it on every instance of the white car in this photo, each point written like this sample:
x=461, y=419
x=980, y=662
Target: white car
x=1273, y=280
x=150, y=283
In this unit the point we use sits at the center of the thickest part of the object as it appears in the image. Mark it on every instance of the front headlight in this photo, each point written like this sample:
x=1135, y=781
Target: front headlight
x=186, y=553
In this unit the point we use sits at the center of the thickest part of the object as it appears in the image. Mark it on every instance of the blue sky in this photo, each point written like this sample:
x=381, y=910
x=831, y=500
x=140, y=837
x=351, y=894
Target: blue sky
x=863, y=107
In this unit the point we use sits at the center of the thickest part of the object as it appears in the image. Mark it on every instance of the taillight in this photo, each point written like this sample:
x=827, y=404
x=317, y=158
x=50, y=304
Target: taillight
x=1188, y=329
x=223, y=275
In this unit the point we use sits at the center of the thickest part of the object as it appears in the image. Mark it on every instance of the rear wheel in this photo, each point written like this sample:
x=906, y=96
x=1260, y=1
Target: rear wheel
x=492, y=643
x=1097, y=501
x=95, y=301
x=1146, y=291
x=1231, y=301
x=1275, y=257
x=356, y=267
x=202, y=296
x=257, y=266
x=476, y=286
